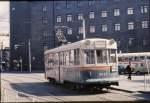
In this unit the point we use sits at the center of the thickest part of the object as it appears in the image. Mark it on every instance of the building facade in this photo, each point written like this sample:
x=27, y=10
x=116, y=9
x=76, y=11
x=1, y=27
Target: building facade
x=126, y=21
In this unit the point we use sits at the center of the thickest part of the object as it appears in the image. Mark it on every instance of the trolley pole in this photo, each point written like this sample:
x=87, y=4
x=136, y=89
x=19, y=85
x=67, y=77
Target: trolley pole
x=29, y=44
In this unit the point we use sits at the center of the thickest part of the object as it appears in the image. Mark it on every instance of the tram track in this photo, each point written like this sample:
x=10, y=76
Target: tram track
x=102, y=98
x=52, y=96
x=58, y=98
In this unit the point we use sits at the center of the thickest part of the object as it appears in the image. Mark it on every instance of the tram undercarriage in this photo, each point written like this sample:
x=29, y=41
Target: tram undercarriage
x=85, y=85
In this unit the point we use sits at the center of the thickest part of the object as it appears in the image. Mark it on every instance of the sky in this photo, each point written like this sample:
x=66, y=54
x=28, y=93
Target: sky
x=4, y=22
x=4, y=17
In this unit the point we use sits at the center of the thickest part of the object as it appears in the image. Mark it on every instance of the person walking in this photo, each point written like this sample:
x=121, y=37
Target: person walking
x=129, y=70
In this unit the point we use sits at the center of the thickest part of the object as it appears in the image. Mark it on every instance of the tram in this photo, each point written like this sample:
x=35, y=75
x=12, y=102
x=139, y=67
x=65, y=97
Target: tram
x=89, y=62
x=140, y=61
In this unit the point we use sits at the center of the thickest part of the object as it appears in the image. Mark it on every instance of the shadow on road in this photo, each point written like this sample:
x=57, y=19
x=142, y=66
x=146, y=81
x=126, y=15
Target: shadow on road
x=48, y=89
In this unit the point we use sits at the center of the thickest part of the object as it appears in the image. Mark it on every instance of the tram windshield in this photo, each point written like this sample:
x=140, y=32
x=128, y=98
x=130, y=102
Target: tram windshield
x=89, y=56
x=101, y=56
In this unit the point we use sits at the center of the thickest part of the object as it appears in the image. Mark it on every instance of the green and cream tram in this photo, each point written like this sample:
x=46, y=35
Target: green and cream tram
x=89, y=62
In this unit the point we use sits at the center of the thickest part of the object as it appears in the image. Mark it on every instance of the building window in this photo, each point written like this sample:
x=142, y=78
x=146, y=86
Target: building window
x=45, y=47
x=130, y=26
x=104, y=14
x=103, y=1
x=144, y=24
x=57, y=5
x=80, y=30
x=118, y=43
x=91, y=2
x=91, y=15
x=69, y=17
x=117, y=27
x=68, y=4
x=79, y=3
x=59, y=32
x=80, y=16
x=69, y=31
x=92, y=29
x=104, y=28
x=130, y=11
x=44, y=20
x=116, y=0
x=144, y=9
x=145, y=42
x=58, y=18
x=45, y=34
x=116, y=12
x=131, y=41
x=44, y=8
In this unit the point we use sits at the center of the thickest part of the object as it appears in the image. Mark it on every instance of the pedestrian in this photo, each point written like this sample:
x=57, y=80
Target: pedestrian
x=129, y=70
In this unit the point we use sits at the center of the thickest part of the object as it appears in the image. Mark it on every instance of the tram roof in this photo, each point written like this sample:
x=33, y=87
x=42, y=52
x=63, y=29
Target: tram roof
x=134, y=54
x=75, y=45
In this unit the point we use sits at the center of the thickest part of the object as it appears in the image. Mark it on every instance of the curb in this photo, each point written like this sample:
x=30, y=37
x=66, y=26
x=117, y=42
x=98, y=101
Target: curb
x=129, y=91
x=124, y=90
x=145, y=92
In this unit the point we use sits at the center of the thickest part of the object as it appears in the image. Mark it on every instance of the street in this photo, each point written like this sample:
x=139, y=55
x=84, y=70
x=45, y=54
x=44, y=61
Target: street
x=34, y=84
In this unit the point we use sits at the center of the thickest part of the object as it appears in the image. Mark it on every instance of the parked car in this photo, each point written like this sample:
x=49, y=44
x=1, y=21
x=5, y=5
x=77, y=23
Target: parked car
x=122, y=69
x=139, y=71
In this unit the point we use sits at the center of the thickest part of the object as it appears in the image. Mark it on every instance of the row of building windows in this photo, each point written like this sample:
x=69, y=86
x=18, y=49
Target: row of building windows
x=130, y=11
x=104, y=27
x=80, y=3
x=132, y=42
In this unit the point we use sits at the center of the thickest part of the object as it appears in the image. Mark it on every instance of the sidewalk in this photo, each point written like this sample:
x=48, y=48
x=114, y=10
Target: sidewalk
x=135, y=85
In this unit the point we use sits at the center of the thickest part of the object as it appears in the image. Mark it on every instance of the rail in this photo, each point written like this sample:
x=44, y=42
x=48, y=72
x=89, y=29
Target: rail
x=9, y=95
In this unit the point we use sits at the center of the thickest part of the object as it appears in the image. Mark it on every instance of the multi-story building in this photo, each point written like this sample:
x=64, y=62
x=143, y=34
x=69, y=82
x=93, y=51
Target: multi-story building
x=126, y=21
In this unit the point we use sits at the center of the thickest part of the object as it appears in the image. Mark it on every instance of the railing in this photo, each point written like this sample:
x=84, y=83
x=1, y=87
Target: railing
x=9, y=95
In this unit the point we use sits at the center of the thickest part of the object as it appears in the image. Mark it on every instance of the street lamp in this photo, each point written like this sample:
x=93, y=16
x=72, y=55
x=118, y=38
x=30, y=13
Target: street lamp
x=29, y=56
x=20, y=60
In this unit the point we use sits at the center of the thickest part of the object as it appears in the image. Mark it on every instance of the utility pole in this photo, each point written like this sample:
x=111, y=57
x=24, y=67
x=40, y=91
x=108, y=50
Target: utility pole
x=83, y=24
x=1, y=55
x=20, y=64
x=29, y=44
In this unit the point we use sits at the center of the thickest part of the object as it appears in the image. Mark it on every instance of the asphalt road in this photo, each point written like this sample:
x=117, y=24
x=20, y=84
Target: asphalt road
x=36, y=85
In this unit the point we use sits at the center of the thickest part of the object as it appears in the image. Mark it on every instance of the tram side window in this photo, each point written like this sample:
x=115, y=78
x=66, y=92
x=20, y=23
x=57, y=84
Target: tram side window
x=71, y=59
x=120, y=59
x=101, y=56
x=112, y=56
x=76, y=57
x=142, y=58
x=67, y=57
x=148, y=57
x=61, y=58
x=56, y=59
x=64, y=58
x=136, y=58
x=89, y=56
x=50, y=61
